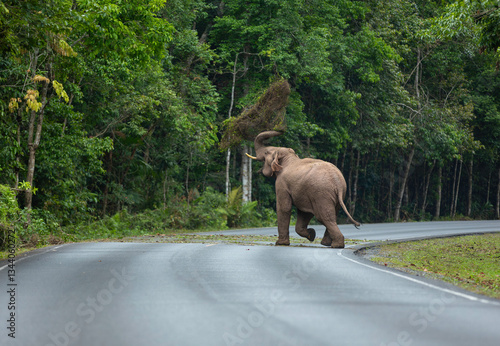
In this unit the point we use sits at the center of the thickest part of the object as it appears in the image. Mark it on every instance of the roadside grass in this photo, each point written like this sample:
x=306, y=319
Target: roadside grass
x=19, y=251
x=470, y=262
x=224, y=239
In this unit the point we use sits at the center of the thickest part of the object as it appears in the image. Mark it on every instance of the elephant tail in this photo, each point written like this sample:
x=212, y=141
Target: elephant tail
x=356, y=223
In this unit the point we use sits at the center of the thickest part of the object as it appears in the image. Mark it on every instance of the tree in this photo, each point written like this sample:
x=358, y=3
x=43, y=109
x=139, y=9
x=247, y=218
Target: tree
x=106, y=106
x=37, y=50
x=62, y=42
x=486, y=86
x=478, y=19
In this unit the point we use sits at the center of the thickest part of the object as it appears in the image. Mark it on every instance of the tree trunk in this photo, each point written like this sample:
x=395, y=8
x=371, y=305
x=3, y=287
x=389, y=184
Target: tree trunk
x=250, y=175
x=186, y=183
x=31, y=160
x=458, y=188
x=391, y=189
x=228, y=154
x=418, y=70
x=453, y=188
x=165, y=191
x=437, y=214
x=343, y=161
x=406, y=195
x=498, y=196
x=246, y=174
x=488, y=190
x=18, y=153
x=349, y=181
x=402, y=187
x=106, y=187
x=355, y=186
x=426, y=189
x=228, y=168
x=469, y=198
x=244, y=171
x=34, y=138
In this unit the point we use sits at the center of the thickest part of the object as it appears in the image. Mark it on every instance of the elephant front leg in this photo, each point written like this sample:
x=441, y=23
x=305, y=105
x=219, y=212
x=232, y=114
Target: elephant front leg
x=283, y=225
x=284, y=211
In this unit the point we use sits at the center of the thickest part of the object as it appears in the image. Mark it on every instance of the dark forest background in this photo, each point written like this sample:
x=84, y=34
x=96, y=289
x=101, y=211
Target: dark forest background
x=111, y=112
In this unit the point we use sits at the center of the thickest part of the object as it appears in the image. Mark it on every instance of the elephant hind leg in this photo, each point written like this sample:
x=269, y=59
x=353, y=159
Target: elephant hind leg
x=303, y=219
x=337, y=238
x=333, y=237
x=327, y=240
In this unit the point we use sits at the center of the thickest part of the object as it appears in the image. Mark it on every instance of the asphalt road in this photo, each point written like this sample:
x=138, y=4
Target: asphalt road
x=206, y=294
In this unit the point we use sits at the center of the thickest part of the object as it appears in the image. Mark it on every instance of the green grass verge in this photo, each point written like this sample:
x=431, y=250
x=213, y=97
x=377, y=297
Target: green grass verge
x=19, y=251
x=471, y=262
x=224, y=239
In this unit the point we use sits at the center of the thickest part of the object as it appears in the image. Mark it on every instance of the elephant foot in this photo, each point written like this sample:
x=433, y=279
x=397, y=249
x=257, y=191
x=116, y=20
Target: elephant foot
x=311, y=234
x=338, y=242
x=282, y=243
x=326, y=242
x=338, y=245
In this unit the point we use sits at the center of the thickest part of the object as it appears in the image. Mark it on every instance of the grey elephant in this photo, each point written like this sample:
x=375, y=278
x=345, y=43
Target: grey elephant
x=315, y=187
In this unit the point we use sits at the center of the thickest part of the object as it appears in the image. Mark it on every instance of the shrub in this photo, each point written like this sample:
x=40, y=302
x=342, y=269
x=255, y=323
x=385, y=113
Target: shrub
x=9, y=212
x=236, y=212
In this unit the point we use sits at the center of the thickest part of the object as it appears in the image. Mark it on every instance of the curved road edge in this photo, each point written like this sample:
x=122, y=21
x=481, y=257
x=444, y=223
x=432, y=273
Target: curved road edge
x=353, y=254
x=32, y=253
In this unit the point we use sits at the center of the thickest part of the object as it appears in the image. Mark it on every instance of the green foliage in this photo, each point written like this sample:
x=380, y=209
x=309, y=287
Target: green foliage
x=126, y=30
x=208, y=211
x=134, y=97
x=39, y=227
x=29, y=227
x=477, y=19
x=67, y=160
x=236, y=212
x=8, y=205
x=9, y=213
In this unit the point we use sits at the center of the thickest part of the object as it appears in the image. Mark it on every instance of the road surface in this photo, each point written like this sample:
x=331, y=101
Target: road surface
x=216, y=294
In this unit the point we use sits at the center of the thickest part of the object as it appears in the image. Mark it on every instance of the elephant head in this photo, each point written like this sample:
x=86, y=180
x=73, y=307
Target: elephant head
x=271, y=156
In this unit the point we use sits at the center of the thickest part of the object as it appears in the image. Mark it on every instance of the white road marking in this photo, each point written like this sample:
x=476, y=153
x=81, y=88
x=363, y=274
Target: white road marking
x=17, y=260
x=459, y=294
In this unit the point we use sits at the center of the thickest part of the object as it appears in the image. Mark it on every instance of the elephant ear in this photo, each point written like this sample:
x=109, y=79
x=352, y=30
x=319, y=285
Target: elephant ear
x=275, y=165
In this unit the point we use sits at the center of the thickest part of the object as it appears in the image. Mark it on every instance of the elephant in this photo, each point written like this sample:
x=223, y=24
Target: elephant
x=316, y=188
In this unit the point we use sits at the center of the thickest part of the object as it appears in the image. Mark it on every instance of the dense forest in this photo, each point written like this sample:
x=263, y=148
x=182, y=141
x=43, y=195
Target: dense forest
x=116, y=109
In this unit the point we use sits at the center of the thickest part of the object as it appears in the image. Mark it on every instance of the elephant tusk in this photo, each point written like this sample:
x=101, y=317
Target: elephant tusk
x=250, y=156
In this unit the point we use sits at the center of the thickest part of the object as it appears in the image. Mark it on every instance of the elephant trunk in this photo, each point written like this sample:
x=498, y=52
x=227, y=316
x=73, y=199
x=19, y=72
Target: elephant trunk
x=259, y=143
